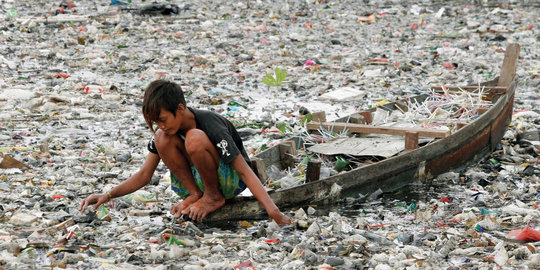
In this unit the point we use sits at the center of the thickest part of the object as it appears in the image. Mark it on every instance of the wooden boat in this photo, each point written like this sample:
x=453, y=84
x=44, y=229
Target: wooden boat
x=467, y=145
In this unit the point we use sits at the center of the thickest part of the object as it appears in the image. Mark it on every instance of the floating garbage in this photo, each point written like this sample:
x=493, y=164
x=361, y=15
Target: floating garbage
x=526, y=234
x=156, y=9
x=73, y=73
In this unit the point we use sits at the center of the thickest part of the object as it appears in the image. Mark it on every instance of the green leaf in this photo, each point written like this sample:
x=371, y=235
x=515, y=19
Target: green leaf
x=268, y=82
x=271, y=78
x=306, y=119
x=277, y=72
x=280, y=75
x=282, y=127
x=276, y=80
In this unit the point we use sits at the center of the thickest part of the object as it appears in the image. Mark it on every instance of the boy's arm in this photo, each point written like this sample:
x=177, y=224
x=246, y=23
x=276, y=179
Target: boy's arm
x=135, y=182
x=255, y=186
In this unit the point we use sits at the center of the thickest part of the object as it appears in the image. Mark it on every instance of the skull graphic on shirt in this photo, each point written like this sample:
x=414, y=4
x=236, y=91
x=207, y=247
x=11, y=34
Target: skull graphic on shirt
x=223, y=146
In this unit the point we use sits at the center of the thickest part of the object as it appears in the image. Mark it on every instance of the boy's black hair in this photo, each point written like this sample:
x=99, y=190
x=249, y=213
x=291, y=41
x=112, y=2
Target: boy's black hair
x=161, y=94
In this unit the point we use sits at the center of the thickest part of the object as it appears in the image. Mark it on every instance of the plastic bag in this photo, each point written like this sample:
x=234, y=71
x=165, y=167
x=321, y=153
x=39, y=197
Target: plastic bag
x=526, y=234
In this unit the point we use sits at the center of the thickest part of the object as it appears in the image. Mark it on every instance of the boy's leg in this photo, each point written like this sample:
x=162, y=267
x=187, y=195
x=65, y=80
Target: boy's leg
x=172, y=151
x=205, y=157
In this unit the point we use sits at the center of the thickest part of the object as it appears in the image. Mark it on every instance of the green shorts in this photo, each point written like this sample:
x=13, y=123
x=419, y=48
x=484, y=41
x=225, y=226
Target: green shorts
x=230, y=182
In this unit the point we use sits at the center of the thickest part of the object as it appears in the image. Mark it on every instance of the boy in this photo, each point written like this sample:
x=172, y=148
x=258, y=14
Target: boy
x=203, y=151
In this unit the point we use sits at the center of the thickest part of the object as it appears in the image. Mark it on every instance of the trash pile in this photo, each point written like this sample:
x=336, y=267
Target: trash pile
x=448, y=109
x=73, y=75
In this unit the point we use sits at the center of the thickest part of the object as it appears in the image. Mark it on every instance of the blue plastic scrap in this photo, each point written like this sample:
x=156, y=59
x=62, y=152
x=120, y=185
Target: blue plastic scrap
x=117, y=2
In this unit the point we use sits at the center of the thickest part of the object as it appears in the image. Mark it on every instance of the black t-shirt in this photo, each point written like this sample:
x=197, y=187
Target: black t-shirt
x=221, y=132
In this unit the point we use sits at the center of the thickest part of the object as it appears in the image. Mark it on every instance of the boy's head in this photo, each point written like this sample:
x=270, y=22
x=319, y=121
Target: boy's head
x=161, y=94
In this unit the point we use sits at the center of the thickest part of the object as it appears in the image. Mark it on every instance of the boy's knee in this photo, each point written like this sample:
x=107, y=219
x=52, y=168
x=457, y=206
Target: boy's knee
x=162, y=140
x=196, y=140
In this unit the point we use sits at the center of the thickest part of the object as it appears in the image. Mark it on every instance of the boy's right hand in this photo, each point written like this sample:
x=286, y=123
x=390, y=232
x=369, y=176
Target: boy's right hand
x=280, y=218
x=97, y=199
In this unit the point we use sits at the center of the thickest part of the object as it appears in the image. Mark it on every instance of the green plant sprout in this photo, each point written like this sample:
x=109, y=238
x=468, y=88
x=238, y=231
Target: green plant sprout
x=306, y=119
x=284, y=128
x=276, y=80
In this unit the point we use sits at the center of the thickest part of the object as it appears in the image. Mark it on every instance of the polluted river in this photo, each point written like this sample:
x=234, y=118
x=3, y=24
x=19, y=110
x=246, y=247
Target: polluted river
x=71, y=91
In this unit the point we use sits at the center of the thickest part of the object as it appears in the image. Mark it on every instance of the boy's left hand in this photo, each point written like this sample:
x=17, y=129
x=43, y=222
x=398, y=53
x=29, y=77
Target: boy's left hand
x=97, y=199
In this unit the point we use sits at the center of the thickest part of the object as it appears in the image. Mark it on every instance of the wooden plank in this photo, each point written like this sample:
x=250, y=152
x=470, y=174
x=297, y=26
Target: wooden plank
x=460, y=125
x=8, y=162
x=357, y=118
x=319, y=116
x=61, y=226
x=313, y=171
x=482, y=110
x=285, y=153
x=411, y=140
x=401, y=105
x=258, y=167
x=368, y=116
x=508, y=70
x=293, y=146
x=358, y=128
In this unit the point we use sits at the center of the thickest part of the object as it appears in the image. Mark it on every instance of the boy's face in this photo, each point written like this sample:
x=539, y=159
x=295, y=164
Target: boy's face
x=168, y=122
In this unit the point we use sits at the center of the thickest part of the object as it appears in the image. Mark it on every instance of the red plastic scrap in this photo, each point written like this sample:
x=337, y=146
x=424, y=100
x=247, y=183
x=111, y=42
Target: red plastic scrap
x=71, y=234
x=445, y=199
x=379, y=60
x=367, y=19
x=455, y=220
x=245, y=266
x=448, y=65
x=57, y=11
x=63, y=75
x=276, y=241
x=526, y=234
x=309, y=63
x=377, y=225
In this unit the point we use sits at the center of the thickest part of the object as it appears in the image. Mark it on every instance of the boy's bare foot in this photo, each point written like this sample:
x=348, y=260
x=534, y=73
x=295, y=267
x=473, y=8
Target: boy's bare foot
x=204, y=206
x=177, y=209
